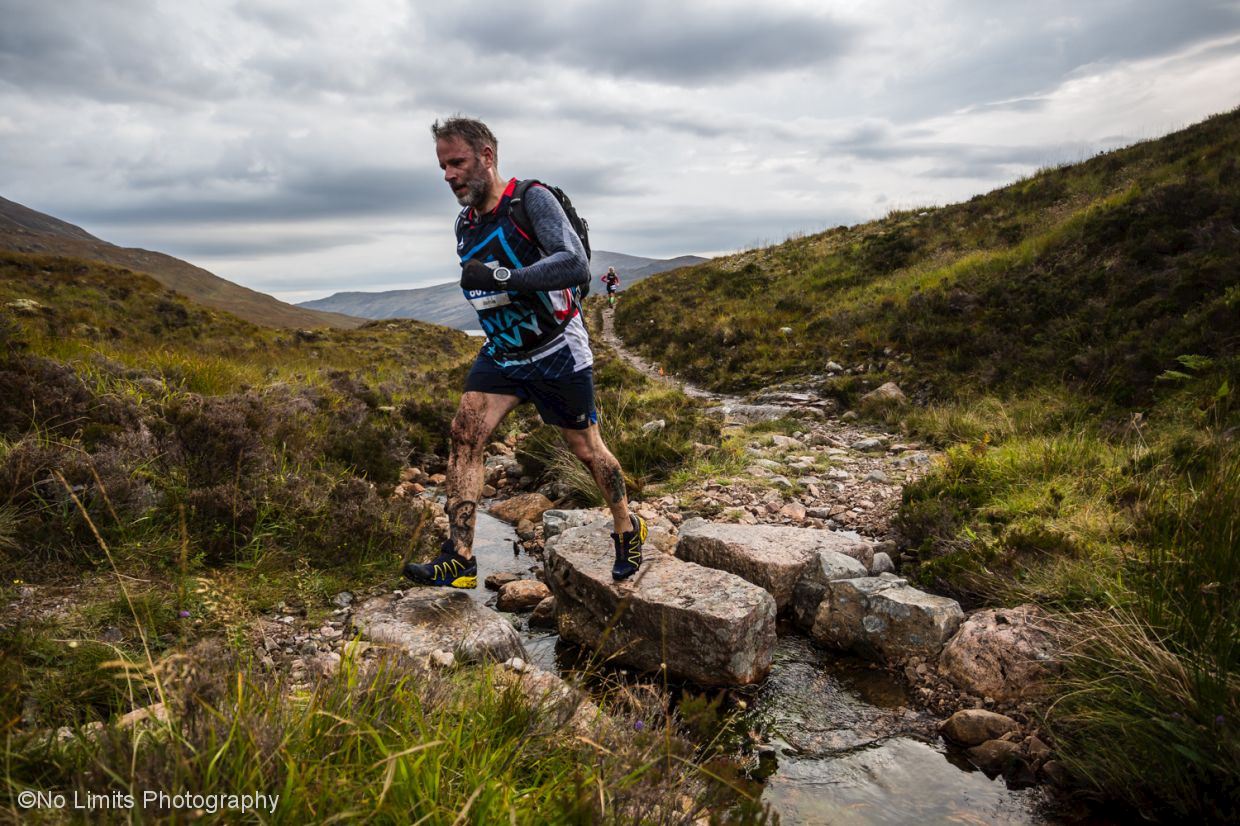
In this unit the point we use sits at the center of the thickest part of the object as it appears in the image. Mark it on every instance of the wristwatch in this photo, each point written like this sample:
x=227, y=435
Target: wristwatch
x=502, y=274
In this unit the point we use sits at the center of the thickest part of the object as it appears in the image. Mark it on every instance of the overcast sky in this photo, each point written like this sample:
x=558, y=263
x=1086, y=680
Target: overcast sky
x=286, y=145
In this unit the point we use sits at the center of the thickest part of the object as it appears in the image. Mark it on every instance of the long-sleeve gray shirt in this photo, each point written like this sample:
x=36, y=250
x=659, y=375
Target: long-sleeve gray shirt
x=564, y=263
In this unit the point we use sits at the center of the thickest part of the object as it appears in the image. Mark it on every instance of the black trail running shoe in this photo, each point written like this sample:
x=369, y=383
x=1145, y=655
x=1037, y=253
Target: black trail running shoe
x=629, y=549
x=449, y=569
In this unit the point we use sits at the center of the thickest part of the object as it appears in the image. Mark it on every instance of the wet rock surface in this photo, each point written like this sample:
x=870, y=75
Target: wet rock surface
x=703, y=625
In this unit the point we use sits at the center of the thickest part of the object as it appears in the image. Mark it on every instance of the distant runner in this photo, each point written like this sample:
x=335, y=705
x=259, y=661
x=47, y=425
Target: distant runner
x=613, y=283
x=537, y=349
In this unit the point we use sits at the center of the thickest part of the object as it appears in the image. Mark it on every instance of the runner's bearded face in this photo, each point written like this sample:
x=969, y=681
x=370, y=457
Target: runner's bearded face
x=464, y=171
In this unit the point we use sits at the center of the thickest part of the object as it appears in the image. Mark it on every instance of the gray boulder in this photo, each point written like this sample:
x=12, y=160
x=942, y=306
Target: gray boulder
x=773, y=557
x=706, y=626
x=885, y=397
x=826, y=567
x=426, y=620
x=556, y=521
x=882, y=617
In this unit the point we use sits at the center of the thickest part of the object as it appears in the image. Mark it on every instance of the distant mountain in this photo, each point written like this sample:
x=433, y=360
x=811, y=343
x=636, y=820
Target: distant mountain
x=443, y=303
x=24, y=230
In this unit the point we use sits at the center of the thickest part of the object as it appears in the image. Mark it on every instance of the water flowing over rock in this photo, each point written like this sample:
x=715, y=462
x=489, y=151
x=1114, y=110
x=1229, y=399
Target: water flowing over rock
x=426, y=620
x=709, y=627
x=1005, y=653
x=885, y=618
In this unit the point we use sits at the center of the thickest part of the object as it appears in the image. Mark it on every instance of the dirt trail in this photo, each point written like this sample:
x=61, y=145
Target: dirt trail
x=830, y=472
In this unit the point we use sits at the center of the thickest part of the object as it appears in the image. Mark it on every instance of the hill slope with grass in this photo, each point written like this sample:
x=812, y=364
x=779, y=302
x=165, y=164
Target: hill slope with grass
x=1072, y=342
x=28, y=231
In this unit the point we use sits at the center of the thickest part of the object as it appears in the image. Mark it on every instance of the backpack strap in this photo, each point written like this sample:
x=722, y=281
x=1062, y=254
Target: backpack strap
x=518, y=213
x=521, y=218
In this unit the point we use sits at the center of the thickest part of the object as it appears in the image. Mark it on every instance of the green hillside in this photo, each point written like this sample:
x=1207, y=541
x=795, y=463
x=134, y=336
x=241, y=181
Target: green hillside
x=1072, y=342
x=1099, y=274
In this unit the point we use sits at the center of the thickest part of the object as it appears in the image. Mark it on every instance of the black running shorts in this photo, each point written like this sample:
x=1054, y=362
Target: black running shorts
x=566, y=402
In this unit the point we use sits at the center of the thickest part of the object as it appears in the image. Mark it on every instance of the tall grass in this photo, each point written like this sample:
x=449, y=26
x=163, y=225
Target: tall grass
x=390, y=742
x=1158, y=683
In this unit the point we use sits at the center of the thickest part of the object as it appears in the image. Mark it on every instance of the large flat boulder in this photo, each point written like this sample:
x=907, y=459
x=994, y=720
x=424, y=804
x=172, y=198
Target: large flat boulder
x=709, y=626
x=1005, y=653
x=773, y=557
x=824, y=568
x=883, y=617
x=426, y=620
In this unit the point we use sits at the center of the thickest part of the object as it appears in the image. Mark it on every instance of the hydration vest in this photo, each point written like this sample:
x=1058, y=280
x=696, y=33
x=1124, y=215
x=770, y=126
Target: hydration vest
x=516, y=324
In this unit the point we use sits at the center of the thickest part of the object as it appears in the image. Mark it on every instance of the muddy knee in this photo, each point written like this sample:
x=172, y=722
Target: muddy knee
x=468, y=432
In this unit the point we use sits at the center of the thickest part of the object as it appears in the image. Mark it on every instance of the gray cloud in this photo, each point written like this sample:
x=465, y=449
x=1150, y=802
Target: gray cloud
x=876, y=141
x=318, y=194
x=1028, y=49
x=119, y=51
x=273, y=244
x=676, y=43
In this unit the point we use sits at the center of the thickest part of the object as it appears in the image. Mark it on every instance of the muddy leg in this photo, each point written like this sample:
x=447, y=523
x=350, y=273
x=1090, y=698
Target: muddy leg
x=473, y=424
x=587, y=445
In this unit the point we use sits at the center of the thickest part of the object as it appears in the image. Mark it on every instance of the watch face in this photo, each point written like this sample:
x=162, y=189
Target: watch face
x=502, y=274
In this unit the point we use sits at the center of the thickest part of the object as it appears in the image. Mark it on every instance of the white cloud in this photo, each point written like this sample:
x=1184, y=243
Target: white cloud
x=285, y=145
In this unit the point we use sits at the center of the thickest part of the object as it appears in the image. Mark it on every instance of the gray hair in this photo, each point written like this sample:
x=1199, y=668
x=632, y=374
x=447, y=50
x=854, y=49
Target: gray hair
x=473, y=132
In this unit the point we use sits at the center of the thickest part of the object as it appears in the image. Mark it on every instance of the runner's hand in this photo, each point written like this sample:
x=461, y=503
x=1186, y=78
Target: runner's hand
x=476, y=275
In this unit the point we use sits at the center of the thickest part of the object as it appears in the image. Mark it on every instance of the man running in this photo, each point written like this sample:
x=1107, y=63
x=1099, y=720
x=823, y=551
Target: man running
x=613, y=283
x=536, y=350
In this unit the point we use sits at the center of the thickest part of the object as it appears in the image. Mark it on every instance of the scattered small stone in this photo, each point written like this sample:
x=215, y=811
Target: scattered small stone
x=871, y=443
x=850, y=416
x=1056, y=774
x=882, y=564
x=544, y=614
x=488, y=491
x=329, y=633
x=442, y=659
x=343, y=599
x=521, y=595
x=1036, y=749
x=877, y=476
x=25, y=306
x=794, y=511
x=655, y=426
x=995, y=756
x=496, y=581
x=972, y=726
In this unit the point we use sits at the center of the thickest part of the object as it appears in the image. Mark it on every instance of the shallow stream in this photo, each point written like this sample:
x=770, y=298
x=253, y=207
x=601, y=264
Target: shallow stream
x=837, y=740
